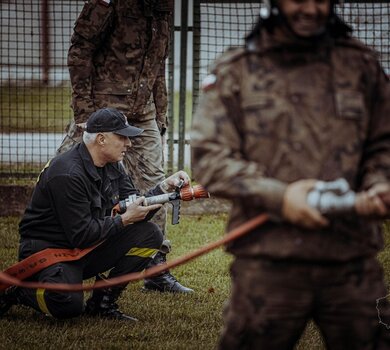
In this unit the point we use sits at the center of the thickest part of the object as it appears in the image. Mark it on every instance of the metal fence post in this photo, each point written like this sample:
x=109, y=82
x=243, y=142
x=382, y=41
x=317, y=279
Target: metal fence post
x=45, y=60
x=183, y=81
x=171, y=100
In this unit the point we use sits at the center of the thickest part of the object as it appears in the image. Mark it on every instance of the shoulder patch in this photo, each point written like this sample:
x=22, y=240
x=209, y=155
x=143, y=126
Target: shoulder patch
x=44, y=168
x=209, y=82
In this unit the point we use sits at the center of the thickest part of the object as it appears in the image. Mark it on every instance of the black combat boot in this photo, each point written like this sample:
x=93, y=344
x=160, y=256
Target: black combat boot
x=164, y=282
x=102, y=303
x=7, y=299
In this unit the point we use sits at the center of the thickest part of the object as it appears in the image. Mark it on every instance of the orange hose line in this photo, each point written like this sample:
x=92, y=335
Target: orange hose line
x=137, y=276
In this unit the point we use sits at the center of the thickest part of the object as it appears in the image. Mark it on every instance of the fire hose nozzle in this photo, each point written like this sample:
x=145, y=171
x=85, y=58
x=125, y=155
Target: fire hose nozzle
x=189, y=193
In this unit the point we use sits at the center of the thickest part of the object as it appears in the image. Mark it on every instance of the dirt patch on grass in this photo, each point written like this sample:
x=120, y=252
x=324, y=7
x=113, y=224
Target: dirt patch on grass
x=14, y=199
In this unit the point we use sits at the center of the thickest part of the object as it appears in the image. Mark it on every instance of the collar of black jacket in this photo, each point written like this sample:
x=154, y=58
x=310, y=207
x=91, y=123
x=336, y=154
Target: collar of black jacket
x=113, y=171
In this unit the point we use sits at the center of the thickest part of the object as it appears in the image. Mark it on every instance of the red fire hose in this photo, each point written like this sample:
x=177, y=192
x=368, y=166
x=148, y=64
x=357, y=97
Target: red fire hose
x=137, y=276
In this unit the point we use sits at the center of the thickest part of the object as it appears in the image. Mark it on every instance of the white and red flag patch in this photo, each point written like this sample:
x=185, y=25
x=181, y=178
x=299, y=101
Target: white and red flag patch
x=209, y=82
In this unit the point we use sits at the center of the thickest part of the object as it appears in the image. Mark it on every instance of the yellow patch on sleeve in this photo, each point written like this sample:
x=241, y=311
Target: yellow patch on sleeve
x=45, y=167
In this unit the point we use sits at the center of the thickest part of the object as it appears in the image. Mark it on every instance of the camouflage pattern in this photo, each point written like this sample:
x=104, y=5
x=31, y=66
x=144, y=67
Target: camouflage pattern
x=117, y=58
x=272, y=301
x=144, y=164
x=74, y=135
x=278, y=111
x=274, y=112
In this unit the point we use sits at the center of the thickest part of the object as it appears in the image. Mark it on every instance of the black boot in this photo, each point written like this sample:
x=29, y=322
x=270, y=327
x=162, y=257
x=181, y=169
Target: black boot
x=103, y=303
x=164, y=282
x=7, y=299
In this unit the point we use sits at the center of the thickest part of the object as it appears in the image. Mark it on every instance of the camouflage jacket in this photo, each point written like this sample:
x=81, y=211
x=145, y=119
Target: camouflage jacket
x=117, y=58
x=279, y=111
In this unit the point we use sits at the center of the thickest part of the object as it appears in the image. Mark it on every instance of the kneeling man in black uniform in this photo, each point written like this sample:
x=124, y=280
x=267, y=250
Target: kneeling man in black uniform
x=71, y=208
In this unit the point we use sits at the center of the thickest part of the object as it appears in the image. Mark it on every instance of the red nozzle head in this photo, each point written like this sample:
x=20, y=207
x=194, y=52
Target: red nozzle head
x=189, y=193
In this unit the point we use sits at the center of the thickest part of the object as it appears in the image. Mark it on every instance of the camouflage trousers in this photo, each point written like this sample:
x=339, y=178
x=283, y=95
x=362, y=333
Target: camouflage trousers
x=74, y=135
x=272, y=302
x=143, y=162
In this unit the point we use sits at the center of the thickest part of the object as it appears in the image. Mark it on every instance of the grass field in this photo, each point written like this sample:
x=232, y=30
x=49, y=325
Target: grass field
x=41, y=109
x=35, y=109
x=47, y=109
x=166, y=321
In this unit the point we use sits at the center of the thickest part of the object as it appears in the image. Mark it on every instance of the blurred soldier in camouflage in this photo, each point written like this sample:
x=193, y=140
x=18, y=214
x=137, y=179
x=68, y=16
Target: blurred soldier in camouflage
x=301, y=102
x=117, y=59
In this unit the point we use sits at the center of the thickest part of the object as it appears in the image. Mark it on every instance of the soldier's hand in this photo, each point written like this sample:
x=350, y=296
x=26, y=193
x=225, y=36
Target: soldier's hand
x=374, y=202
x=137, y=212
x=295, y=208
x=171, y=182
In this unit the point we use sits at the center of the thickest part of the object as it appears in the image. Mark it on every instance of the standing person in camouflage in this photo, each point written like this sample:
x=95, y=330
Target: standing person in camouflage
x=301, y=102
x=117, y=59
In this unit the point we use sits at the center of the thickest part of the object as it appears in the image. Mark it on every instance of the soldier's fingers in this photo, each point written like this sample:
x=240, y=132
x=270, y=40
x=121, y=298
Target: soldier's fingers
x=184, y=176
x=380, y=188
x=152, y=207
x=361, y=205
x=379, y=206
x=370, y=204
x=139, y=200
x=314, y=219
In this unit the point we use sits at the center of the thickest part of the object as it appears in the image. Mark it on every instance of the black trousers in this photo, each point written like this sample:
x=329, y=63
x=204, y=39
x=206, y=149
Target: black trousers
x=128, y=251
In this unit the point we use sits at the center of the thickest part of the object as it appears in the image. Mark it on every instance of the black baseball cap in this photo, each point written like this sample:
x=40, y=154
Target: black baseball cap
x=111, y=120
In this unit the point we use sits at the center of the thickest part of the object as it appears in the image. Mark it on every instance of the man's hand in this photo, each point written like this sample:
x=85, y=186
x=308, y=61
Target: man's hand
x=162, y=124
x=295, y=208
x=374, y=202
x=171, y=182
x=137, y=212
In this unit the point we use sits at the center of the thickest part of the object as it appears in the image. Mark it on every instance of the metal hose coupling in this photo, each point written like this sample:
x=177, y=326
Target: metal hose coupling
x=332, y=198
x=186, y=193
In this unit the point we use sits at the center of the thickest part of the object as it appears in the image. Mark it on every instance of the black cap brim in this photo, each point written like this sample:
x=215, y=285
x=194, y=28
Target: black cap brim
x=129, y=131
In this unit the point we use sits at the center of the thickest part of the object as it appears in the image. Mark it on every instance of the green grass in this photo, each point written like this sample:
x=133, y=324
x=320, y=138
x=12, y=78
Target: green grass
x=47, y=109
x=35, y=109
x=166, y=321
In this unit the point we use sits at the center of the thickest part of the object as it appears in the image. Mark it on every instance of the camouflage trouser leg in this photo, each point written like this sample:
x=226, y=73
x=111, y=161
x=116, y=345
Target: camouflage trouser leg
x=144, y=164
x=73, y=135
x=271, y=303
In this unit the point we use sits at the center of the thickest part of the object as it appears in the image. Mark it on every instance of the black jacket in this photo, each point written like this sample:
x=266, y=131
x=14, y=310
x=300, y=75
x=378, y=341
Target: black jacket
x=71, y=203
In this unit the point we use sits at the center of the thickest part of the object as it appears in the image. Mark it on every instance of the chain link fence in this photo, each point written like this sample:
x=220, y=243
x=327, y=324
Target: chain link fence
x=220, y=24
x=34, y=81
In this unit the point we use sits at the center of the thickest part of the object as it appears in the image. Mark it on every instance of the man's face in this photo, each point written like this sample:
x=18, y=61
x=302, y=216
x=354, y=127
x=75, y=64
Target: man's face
x=306, y=18
x=115, y=147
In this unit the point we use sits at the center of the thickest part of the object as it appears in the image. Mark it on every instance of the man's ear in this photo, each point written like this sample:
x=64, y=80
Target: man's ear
x=101, y=139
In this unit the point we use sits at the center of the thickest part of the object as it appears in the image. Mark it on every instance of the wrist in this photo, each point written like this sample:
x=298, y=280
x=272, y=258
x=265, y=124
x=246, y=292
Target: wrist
x=126, y=221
